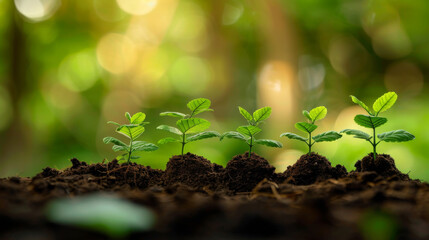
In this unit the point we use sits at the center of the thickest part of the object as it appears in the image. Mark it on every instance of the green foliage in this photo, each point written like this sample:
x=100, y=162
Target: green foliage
x=189, y=128
x=314, y=115
x=247, y=133
x=132, y=131
x=380, y=105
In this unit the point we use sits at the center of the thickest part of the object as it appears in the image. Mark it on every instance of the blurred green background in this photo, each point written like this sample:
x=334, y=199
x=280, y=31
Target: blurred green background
x=67, y=67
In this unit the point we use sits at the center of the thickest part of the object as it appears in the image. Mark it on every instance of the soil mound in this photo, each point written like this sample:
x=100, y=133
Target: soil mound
x=192, y=170
x=384, y=165
x=313, y=168
x=242, y=173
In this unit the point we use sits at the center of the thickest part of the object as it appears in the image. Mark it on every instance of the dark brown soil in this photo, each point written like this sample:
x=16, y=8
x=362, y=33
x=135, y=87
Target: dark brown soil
x=194, y=199
x=312, y=168
x=384, y=166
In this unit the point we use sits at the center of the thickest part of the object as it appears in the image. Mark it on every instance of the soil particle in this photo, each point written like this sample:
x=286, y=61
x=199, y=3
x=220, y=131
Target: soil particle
x=192, y=170
x=242, y=173
x=384, y=166
x=311, y=168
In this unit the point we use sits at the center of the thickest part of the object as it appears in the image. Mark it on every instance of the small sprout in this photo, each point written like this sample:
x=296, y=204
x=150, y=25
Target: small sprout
x=132, y=131
x=189, y=128
x=308, y=127
x=373, y=121
x=247, y=133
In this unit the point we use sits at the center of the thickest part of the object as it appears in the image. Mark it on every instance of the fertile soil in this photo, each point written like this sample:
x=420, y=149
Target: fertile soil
x=195, y=199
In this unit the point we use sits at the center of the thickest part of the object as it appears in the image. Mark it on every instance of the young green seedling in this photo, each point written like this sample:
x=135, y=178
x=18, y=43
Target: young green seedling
x=308, y=127
x=373, y=121
x=132, y=131
x=189, y=128
x=247, y=133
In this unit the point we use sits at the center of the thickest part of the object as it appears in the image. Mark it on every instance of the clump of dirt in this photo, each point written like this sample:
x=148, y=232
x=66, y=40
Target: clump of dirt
x=242, y=173
x=192, y=170
x=384, y=165
x=311, y=168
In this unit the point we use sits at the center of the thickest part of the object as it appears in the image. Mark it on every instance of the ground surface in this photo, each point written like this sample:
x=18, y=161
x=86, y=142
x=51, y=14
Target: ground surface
x=195, y=199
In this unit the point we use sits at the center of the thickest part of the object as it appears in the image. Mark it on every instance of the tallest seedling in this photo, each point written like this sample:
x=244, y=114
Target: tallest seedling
x=373, y=121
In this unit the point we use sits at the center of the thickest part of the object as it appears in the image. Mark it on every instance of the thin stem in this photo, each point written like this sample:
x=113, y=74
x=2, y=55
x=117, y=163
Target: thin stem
x=374, y=144
x=309, y=143
x=183, y=142
x=131, y=146
x=250, y=145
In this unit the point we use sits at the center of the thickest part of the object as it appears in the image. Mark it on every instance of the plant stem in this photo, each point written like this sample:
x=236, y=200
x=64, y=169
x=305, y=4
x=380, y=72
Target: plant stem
x=250, y=145
x=309, y=144
x=374, y=144
x=183, y=142
x=131, y=146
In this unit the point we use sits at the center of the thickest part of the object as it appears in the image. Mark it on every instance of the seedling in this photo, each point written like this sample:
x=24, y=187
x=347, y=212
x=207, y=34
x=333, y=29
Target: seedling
x=373, y=121
x=247, y=133
x=132, y=131
x=314, y=115
x=189, y=128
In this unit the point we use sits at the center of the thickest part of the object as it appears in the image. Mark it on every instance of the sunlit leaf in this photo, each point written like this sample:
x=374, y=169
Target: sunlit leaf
x=385, y=102
x=396, y=136
x=269, y=143
x=293, y=136
x=113, y=140
x=360, y=103
x=173, y=114
x=318, y=113
x=248, y=130
x=128, y=116
x=192, y=125
x=245, y=114
x=144, y=146
x=369, y=121
x=203, y=135
x=118, y=148
x=199, y=105
x=138, y=118
x=357, y=134
x=305, y=127
x=115, y=123
x=133, y=131
x=307, y=115
x=261, y=114
x=169, y=129
x=234, y=135
x=327, y=136
x=168, y=140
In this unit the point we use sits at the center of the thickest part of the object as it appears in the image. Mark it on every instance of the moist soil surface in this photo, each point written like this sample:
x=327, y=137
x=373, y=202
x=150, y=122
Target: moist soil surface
x=196, y=199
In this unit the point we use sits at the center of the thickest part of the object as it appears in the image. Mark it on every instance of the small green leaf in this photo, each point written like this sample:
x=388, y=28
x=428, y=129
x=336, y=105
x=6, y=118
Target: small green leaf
x=173, y=114
x=169, y=129
x=307, y=115
x=385, y=102
x=293, y=136
x=269, y=143
x=245, y=114
x=192, y=125
x=232, y=134
x=369, y=121
x=327, y=136
x=396, y=136
x=115, y=123
x=132, y=131
x=144, y=146
x=168, y=140
x=113, y=140
x=128, y=116
x=305, y=127
x=360, y=103
x=199, y=105
x=118, y=148
x=318, y=113
x=138, y=118
x=203, y=135
x=249, y=130
x=134, y=157
x=261, y=114
x=357, y=134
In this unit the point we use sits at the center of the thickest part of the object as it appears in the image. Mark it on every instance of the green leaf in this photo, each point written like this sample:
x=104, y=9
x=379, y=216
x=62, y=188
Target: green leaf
x=232, y=134
x=128, y=116
x=360, y=103
x=318, y=113
x=307, y=115
x=370, y=121
x=199, y=105
x=132, y=131
x=357, y=134
x=261, y=114
x=144, y=146
x=384, y=102
x=203, y=135
x=269, y=143
x=245, y=114
x=327, y=136
x=173, y=114
x=169, y=129
x=168, y=140
x=138, y=118
x=113, y=140
x=118, y=148
x=293, y=136
x=134, y=157
x=305, y=127
x=396, y=136
x=192, y=125
x=249, y=130
x=115, y=123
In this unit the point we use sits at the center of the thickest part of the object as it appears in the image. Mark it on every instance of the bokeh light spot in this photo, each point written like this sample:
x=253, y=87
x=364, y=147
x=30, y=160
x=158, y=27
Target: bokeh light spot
x=37, y=10
x=391, y=41
x=190, y=76
x=232, y=12
x=108, y=10
x=137, y=7
x=405, y=78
